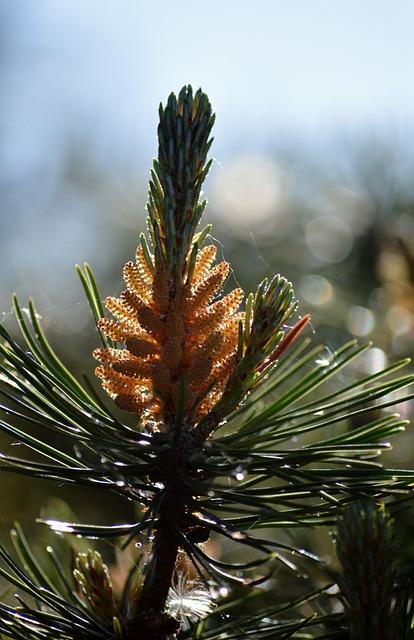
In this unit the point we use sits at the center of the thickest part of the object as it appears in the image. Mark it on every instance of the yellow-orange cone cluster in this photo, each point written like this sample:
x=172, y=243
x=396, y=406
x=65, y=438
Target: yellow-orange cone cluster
x=180, y=342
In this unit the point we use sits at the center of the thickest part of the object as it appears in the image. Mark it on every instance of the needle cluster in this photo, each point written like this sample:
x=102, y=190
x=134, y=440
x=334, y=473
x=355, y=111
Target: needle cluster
x=238, y=434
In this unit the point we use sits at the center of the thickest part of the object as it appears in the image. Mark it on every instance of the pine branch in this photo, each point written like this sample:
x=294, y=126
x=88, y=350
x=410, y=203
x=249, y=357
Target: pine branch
x=234, y=435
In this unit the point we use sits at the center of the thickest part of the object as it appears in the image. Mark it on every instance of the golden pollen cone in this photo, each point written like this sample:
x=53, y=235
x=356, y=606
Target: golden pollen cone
x=169, y=334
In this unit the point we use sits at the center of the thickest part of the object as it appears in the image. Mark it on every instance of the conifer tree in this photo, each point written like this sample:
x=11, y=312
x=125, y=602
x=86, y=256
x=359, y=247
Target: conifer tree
x=233, y=434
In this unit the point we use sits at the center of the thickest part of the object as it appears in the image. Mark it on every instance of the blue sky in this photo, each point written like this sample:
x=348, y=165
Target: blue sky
x=273, y=68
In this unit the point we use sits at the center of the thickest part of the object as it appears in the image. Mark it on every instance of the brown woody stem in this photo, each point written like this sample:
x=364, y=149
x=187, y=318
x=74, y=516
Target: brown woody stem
x=161, y=570
x=152, y=623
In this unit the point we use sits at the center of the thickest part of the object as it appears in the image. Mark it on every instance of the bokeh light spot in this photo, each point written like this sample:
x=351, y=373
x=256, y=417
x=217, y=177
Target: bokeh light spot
x=360, y=321
x=399, y=319
x=315, y=289
x=375, y=360
x=329, y=238
x=250, y=188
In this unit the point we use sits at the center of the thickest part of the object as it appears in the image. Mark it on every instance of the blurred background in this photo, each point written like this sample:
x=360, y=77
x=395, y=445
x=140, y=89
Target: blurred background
x=312, y=175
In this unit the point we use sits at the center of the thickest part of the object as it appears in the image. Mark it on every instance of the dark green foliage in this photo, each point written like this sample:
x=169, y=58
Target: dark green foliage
x=49, y=602
x=375, y=606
